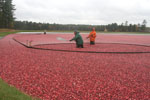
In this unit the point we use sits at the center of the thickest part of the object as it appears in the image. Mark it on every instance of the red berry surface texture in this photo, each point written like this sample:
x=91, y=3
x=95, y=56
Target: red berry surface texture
x=59, y=75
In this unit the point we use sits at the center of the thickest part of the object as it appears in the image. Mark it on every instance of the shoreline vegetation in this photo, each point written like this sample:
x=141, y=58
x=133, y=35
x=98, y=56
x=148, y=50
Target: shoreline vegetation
x=8, y=92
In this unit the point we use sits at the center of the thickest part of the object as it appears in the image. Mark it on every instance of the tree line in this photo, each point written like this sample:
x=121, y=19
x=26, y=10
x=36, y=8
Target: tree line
x=124, y=27
x=7, y=20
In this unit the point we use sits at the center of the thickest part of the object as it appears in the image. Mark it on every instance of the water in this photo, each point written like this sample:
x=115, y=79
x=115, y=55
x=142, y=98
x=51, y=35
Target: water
x=82, y=33
x=46, y=33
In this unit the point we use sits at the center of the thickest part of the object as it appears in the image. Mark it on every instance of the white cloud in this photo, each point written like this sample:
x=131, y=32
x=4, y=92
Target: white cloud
x=83, y=11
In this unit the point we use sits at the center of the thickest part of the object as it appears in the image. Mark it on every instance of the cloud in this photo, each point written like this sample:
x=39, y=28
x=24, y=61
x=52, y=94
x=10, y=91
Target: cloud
x=83, y=11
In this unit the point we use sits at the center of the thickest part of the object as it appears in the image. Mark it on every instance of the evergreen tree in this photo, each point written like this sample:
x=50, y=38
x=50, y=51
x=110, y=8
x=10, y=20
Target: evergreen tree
x=1, y=12
x=143, y=27
x=6, y=14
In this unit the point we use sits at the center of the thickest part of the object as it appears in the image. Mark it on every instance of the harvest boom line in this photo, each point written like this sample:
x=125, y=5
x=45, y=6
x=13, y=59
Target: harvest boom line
x=31, y=47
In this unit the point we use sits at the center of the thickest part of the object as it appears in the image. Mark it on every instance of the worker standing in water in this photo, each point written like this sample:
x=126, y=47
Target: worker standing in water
x=92, y=36
x=78, y=39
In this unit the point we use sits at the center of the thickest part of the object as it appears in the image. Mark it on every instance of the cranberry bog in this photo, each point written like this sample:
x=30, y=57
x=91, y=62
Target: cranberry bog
x=52, y=68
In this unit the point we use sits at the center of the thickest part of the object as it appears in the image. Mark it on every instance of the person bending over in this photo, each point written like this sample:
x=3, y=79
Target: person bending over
x=78, y=39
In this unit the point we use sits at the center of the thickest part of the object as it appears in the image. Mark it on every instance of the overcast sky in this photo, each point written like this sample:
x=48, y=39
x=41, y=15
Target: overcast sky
x=94, y=12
